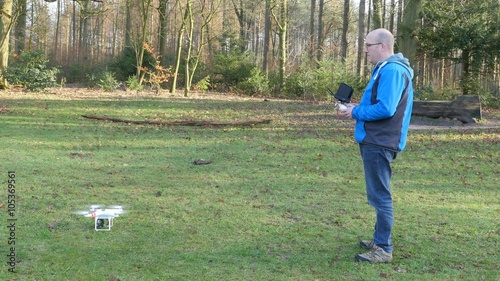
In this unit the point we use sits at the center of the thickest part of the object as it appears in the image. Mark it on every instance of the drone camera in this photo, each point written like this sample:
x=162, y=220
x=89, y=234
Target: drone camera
x=103, y=217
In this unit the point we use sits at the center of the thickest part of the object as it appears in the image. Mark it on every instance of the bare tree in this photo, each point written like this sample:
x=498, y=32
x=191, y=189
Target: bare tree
x=180, y=37
x=20, y=31
x=392, y=14
x=407, y=43
x=312, y=39
x=282, y=22
x=267, y=36
x=321, y=31
x=163, y=22
x=207, y=11
x=377, y=14
x=345, y=30
x=361, y=38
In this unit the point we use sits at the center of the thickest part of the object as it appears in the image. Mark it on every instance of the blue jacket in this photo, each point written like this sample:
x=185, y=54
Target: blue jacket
x=383, y=114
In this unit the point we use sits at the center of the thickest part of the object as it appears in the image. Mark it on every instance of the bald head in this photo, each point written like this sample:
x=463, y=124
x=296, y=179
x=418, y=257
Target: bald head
x=383, y=35
x=379, y=45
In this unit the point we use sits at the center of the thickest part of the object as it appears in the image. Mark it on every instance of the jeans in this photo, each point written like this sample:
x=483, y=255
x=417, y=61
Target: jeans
x=377, y=165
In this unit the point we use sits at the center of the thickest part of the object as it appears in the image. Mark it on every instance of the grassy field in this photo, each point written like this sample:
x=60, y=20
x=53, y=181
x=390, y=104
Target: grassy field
x=280, y=201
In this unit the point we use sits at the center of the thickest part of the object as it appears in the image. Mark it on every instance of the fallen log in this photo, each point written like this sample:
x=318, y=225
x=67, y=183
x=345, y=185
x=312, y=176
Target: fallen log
x=465, y=108
x=180, y=123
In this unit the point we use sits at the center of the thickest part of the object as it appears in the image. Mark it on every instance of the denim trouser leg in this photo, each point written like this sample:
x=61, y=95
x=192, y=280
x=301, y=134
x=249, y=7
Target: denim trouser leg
x=377, y=166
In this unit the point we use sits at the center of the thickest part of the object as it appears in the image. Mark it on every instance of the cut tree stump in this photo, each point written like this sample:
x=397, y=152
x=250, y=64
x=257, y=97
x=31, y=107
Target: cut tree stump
x=465, y=108
x=181, y=123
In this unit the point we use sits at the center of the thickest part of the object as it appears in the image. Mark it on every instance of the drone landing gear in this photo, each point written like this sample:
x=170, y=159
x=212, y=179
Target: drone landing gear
x=103, y=223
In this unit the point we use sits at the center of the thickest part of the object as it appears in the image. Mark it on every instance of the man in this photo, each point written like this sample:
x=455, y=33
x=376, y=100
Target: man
x=382, y=120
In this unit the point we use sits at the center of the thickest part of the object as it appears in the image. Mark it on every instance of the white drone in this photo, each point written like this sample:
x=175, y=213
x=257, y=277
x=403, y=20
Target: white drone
x=103, y=217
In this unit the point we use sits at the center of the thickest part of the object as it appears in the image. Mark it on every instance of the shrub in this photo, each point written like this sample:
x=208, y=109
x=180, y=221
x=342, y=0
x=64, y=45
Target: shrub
x=491, y=99
x=429, y=93
x=256, y=84
x=125, y=65
x=203, y=85
x=108, y=82
x=232, y=69
x=331, y=73
x=155, y=74
x=302, y=83
x=29, y=70
x=312, y=82
x=133, y=84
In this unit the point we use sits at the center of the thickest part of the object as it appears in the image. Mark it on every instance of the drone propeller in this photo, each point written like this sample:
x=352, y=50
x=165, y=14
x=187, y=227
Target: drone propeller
x=95, y=206
x=117, y=209
x=81, y=212
x=120, y=212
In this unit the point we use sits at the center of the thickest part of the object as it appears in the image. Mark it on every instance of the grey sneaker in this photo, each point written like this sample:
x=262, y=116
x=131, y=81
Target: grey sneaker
x=376, y=255
x=366, y=244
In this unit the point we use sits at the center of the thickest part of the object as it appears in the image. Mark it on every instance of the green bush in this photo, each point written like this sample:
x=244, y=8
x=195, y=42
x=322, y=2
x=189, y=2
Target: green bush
x=133, y=84
x=491, y=99
x=312, y=81
x=302, y=83
x=232, y=69
x=256, y=84
x=74, y=73
x=331, y=73
x=442, y=94
x=108, y=82
x=29, y=70
x=125, y=65
x=204, y=84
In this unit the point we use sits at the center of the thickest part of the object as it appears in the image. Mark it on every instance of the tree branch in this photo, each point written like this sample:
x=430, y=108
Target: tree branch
x=181, y=123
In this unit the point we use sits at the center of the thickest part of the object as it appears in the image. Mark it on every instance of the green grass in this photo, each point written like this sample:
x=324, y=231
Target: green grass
x=281, y=201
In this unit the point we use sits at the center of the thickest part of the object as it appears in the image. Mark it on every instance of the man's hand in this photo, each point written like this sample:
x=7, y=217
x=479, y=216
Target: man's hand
x=348, y=112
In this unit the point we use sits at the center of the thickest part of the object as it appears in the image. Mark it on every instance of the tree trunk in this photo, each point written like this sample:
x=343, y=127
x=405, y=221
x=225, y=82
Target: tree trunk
x=207, y=16
x=267, y=36
x=392, y=13
x=241, y=15
x=464, y=108
x=321, y=31
x=178, y=55
x=361, y=38
x=74, y=42
x=345, y=30
x=21, y=26
x=163, y=22
x=281, y=21
x=465, y=81
x=407, y=44
x=190, y=20
x=143, y=37
x=58, y=24
x=83, y=43
x=181, y=123
x=6, y=23
x=128, y=24
x=311, y=32
x=377, y=14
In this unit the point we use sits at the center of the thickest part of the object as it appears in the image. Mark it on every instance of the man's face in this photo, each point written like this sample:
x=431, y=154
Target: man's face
x=372, y=49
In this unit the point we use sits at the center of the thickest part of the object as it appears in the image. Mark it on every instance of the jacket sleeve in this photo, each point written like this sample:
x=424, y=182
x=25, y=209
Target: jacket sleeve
x=386, y=95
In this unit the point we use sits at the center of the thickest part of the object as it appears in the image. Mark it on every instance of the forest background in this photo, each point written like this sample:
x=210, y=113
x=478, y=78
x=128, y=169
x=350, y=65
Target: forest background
x=292, y=48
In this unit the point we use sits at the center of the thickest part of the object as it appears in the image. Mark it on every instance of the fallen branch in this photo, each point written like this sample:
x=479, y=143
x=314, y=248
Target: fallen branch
x=180, y=123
